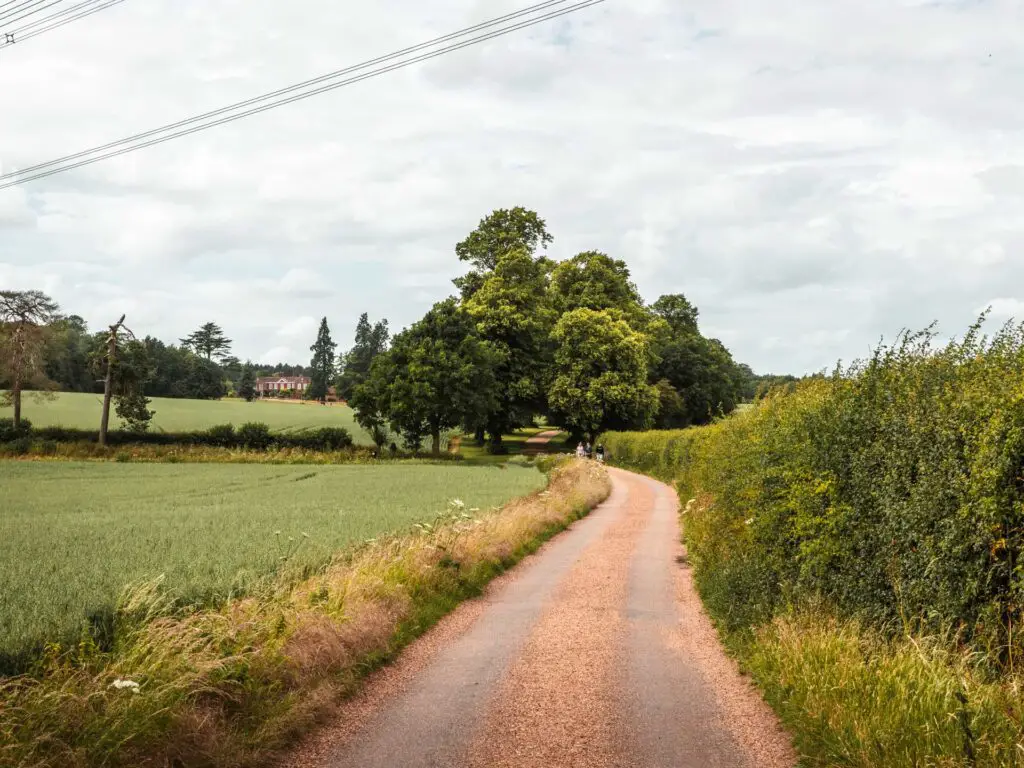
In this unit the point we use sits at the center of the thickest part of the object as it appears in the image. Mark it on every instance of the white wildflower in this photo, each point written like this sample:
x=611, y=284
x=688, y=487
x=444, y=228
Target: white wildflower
x=749, y=521
x=122, y=685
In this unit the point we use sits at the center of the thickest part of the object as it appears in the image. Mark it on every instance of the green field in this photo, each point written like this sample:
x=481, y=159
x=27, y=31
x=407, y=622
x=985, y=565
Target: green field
x=73, y=534
x=82, y=411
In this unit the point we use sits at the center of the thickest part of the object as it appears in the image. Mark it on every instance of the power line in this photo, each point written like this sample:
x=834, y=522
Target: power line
x=133, y=143
x=54, y=21
x=304, y=84
x=33, y=7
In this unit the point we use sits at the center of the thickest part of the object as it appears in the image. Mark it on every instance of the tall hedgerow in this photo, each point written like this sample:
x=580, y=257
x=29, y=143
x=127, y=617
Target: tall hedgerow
x=891, y=491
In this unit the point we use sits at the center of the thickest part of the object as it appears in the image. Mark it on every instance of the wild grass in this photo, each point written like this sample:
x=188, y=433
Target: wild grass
x=82, y=411
x=854, y=697
x=227, y=687
x=74, y=534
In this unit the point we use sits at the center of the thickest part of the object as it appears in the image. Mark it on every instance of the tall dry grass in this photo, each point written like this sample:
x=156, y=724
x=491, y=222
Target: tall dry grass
x=228, y=687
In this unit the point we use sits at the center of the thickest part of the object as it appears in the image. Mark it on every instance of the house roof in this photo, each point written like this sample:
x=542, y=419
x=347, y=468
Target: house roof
x=283, y=380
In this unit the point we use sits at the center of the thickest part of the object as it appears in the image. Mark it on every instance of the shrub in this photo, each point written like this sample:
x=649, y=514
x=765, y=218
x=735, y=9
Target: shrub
x=325, y=439
x=222, y=435
x=255, y=435
x=8, y=432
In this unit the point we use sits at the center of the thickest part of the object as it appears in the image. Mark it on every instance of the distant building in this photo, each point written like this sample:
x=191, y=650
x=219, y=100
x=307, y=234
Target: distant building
x=273, y=384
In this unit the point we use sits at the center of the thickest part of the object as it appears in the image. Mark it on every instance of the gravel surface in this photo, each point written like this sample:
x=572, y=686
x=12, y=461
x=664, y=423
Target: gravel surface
x=594, y=652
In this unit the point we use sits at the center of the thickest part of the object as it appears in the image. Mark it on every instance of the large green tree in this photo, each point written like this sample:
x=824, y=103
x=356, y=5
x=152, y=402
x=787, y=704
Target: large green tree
x=438, y=374
x=600, y=374
x=500, y=233
x=24, y=334
x=512, y=312
x=247, y=384
x=67, y=356
x=322, y=364
x=594, y=280
x=370, y=341
x=699, y=369
x=208, y=341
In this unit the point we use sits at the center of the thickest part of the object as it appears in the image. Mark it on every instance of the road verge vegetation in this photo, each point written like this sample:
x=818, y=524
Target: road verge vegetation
x=229, y=686
x=858, y=543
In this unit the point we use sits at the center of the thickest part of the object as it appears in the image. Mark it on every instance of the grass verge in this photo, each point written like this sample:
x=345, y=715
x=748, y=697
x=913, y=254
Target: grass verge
x=229, y=687
x=853, y=697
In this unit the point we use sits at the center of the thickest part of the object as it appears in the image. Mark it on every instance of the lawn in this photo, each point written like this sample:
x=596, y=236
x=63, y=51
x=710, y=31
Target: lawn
x=515, y=444
x=73, y=534
x=82, y=411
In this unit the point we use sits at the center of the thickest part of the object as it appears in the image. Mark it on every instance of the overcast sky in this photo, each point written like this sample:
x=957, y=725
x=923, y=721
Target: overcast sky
x=813, y=175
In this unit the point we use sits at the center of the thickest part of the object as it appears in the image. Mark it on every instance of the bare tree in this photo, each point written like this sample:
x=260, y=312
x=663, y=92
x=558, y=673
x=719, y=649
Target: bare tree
x=24, y=316
x=117, y=330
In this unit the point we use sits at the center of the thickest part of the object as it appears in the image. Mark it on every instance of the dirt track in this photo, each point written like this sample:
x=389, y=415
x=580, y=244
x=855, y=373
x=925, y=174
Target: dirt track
x=594, y=652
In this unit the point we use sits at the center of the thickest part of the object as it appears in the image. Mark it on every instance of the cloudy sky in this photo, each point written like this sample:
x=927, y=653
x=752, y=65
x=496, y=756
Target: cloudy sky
x=813, y=175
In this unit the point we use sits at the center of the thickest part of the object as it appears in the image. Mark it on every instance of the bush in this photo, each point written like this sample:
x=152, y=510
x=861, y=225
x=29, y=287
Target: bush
x=222, y=435
x=8, y=432
x=255, y=435
x=324, y=439
x=891, y=490
x=20, y=446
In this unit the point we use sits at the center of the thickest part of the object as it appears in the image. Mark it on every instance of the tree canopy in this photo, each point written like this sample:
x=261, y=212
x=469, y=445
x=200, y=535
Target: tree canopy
x=354, y=365
x=437, y=375
x=322, y=365
x=208, y=341
x=600, y=374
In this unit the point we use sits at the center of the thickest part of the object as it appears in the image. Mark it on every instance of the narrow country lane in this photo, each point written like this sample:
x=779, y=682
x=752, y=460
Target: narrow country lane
x=594, y=652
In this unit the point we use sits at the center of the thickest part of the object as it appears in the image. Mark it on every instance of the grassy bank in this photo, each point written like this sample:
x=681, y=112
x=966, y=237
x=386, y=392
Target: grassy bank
x=227, y=687
x=857, y=542
x=76, y=533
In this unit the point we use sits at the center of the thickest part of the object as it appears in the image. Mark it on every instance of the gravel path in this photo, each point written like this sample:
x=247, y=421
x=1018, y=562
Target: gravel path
x=594, y=652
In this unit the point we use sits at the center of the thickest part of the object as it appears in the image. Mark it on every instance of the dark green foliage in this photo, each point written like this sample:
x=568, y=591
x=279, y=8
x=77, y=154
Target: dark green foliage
x=437, y=375
x=322, y=366
x=222, y=435
x=326, y=439
x=133, y=409
x=593, y=280
x=370, y=341
x=10, y=431
x=255, y=435
x=209, y=341
x=672, y=412
x=701, y=370
x=67, y=358
x=247, y=384
x=892, y=491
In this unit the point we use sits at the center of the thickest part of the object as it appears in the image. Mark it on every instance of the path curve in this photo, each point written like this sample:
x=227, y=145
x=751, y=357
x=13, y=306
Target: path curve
x=594, y=652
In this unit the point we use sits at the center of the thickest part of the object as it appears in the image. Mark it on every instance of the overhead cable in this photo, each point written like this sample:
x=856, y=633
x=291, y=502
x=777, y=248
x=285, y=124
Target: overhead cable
x=497, y=28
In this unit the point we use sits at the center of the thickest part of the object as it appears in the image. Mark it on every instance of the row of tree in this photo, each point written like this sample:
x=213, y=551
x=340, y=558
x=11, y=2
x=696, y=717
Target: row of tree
x=572, y=341
x=527, y=337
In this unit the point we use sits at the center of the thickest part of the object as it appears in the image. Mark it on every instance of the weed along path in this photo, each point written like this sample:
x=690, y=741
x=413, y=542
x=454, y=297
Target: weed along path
x=594, y=652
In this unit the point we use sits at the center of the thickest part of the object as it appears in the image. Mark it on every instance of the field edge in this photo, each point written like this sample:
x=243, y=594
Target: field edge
x=236, y=685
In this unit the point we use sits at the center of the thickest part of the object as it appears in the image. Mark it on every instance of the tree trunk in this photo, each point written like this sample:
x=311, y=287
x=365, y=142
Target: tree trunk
x=435, y=445
x=480, y=435
x=16, y=397
x=108, y=389
x=108, y=380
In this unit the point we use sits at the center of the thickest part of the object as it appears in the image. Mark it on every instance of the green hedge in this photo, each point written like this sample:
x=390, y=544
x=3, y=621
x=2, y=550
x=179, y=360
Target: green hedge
x=252, y=436
x=892, y=492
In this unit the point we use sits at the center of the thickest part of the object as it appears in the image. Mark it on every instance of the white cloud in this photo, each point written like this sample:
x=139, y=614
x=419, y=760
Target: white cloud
x=812, y=175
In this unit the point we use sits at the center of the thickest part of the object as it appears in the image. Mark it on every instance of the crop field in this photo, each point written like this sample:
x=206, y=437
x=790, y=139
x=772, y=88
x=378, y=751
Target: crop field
x=82, y=411
x=73, y=535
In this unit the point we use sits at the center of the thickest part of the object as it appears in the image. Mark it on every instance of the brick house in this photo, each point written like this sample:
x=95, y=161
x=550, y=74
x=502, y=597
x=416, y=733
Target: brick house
x=272, y=384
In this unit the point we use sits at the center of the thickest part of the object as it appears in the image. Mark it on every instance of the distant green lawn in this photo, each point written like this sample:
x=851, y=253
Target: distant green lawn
x=82, y=411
